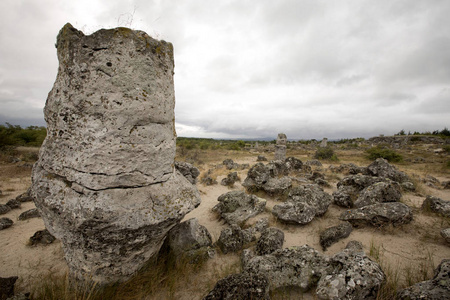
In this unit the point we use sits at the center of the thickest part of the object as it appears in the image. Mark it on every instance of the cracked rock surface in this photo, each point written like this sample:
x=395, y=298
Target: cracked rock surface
x=105, y=182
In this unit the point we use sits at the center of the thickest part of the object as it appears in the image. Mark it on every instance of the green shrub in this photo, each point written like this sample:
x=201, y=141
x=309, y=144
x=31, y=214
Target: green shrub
x=386, y=153
x=325, y=153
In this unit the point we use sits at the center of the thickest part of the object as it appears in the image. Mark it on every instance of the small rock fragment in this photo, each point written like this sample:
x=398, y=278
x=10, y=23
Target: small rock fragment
x=5, y=223
x=333, y=234
x=42, y=237
x=31, y=213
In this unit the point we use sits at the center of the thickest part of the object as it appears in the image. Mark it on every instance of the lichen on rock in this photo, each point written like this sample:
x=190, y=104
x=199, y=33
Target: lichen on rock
x=105, y=182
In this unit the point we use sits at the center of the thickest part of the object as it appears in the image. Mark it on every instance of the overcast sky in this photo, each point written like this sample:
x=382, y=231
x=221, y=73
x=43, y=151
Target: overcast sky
x=252, y=69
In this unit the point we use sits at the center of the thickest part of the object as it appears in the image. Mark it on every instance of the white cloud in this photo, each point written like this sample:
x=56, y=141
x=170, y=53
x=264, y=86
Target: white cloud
x=253, y=69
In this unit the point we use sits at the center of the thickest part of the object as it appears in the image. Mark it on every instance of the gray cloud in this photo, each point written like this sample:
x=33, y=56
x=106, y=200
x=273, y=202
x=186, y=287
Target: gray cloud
x=252, y=69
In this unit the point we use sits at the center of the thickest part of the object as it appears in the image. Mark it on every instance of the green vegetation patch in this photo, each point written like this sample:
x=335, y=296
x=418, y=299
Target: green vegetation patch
x=383, y=152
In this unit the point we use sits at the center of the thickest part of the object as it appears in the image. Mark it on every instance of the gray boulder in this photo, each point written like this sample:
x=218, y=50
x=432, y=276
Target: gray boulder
x=4, y=209
x=271, y=239
x=5, y=223
x=230, y=179
x=277, y=186
x=43, y=237
x=378, y=215
x=437, y=205
x=231, y=239
x=378, y=193
x=31, y=213
x=242, y=286
x=208, y=180
x=353, y=275
x=261, y=158
x=236, y=207
x=229, y=164
x=437, y=288
x=188, y=240
x=303, y=204
x=333, y=234
x=381, y=168
x=14, y=203
x=188, y=171
x=445, y=233
x=257, y=176
x=25, y=197
x=105, y=182
x=299, y=267
x=349, y=188
x=313, y=162
x=277, y=168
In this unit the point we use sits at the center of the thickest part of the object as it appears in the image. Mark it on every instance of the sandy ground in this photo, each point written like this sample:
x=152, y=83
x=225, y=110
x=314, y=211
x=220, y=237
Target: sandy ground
x=416, y=247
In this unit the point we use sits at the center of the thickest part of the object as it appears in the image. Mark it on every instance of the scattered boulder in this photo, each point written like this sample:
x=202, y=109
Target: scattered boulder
x=231, y=239
x=353, y=275
x=7, y=287
x=261, y=158
x=229, y=164
x=333, y=234
x=241, y=286
x=347, y=169
x=189, y=240
x=271, y=239
x=378, y=193
x=437, y=288
x=42, y=237
x=5, y=223
x=277, y=168
x=303, y=204
x=261, y=224
x=313, y=162
x=105, y=182
x=378, y=215
x=293, y=164
x=188, y=171
x=445, y=233
x=299, y=267
x=236, y=207
x=408, y=186
x=14, y=203
x=230, y=179
x=437, y=205
x=350, y=187
x=31, y=213
x=381, y=168
x=277, y=186
x=257, y=176
x=4, y=209
x=25, y=197
x=208, y=180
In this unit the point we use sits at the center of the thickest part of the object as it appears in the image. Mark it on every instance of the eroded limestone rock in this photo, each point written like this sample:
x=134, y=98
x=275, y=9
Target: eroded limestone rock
x=280, y=147
x=105, y=182
x=236, y=207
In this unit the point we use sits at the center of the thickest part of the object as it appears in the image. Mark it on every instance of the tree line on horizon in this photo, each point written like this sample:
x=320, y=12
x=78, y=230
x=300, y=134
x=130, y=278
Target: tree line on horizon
x=15, y=135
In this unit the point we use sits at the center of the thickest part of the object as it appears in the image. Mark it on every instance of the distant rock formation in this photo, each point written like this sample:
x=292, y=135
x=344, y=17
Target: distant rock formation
x=105, y=182
x=280, y=147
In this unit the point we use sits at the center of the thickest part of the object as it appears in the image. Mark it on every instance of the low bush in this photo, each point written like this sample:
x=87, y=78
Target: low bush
x=386, y=153
x=326, y=153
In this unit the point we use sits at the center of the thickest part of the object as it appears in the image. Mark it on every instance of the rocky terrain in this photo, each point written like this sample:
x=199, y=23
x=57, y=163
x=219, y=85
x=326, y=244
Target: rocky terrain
x=392, y=218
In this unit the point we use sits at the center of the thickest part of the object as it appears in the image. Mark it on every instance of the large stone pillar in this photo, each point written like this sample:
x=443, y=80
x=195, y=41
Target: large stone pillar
x=280, y=147
x=105, y=182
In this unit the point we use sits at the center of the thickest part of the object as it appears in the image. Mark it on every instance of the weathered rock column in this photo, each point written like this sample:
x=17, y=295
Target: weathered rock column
x=324, y=143
x=105, y=182
x=280, y=147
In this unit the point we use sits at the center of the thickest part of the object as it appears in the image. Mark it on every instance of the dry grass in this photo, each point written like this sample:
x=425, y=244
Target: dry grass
x=163, y=279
